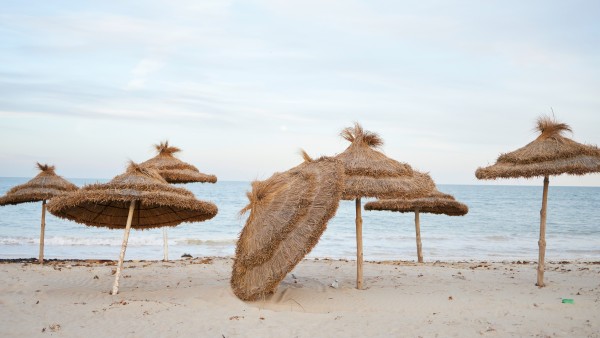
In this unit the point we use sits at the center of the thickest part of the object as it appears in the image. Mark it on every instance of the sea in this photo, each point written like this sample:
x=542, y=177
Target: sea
x=502, y=224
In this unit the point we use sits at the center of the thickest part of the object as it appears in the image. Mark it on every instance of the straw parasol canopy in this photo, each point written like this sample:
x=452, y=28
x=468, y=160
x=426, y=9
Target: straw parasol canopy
x=140, y=199
x=42, y=187
x=174, y=170
x=288, y=213
x=158, y=204
x=551, y=153
x=369, y=173
x=434, y=203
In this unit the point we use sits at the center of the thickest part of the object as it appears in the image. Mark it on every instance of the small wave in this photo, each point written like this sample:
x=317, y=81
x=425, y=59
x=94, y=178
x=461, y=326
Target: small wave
x=498, y=238
x=81, y=241
x=210, y=242
x=17, y=241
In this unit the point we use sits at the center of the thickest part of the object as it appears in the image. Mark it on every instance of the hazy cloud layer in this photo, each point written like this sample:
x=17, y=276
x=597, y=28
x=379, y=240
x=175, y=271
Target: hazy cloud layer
x=240, y=86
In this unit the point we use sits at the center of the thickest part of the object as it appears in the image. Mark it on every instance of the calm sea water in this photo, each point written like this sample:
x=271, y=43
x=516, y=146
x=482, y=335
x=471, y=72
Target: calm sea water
x=502, y=223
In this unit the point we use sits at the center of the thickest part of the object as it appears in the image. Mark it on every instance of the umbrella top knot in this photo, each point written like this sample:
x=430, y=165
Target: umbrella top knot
x=358, y=135
x=163, y=148
x=46, y=168
x=550, y=128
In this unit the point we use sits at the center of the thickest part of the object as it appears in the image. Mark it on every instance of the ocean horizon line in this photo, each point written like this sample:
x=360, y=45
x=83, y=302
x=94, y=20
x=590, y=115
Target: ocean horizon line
x=483, y=183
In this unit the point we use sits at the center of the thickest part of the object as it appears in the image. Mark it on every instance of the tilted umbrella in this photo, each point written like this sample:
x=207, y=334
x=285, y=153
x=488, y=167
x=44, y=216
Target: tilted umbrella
x=434, y=203
x=140, y=199
x=551, y=153
x=43, y=187
x=174, y=170
x=369, y=173
x=288, y=214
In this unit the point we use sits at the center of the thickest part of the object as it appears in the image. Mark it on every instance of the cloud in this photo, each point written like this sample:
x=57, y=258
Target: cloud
x=146, y=67
x=135, y=84
x=141, y=72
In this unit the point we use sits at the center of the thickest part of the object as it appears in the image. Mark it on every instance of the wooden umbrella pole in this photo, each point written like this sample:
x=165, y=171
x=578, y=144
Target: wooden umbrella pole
x=115, y=288
x=418, y=231
x=166, y=245
x=42, y=231
x=359, y=246
x=542, y=241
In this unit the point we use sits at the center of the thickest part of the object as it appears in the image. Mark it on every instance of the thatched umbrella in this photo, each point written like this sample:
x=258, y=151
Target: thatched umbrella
x=174, y=170
x=140, y=199
x=551, y=153
x=434, y=203
x=369, y=173
x=40, y=188
x=288, y=213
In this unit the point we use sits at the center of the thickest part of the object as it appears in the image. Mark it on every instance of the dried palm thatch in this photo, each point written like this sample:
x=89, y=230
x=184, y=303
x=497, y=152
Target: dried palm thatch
x=288, y=213
x=434, y=203
x=369, y=173
x=139, y=198
x=158, y=204
x=172, y=169
x=42, y=187
x=551, y=153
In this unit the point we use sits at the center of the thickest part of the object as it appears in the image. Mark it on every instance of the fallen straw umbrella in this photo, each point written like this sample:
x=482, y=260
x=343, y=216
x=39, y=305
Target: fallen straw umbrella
x=174, y=171
x=551, y=153
x=288, y=214
x=140, y=199
x=369, y=173
x=434, y=203
x=46, y=185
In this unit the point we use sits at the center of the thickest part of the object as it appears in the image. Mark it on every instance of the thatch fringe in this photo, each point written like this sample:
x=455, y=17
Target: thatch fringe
x=549, y=154
x=289, y=212
x=549, y=127
x=361, y=159
x=577, y=166
x=173, y=169
x=135, y=169
x=264, y=192
x=49, y=169
x=44, y=186
x=417, y=185
x=164, y=148
x=359, y=135
x=255, y=244
x=158, y=204
x=435, y=203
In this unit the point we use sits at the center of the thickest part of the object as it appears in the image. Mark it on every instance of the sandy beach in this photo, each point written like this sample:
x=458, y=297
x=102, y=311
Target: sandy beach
x=192, y=298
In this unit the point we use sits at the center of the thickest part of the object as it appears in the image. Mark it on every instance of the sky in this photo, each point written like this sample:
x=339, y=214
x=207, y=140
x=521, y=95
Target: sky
x=241, y=86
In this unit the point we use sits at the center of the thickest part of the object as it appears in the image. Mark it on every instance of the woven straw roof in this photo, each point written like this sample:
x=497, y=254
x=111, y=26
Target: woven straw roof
x=551, y=153
x=288, y=213
x=434, y=203
x=107, y=205
x=369, y=173
x=44, y=186
x=174, y=170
